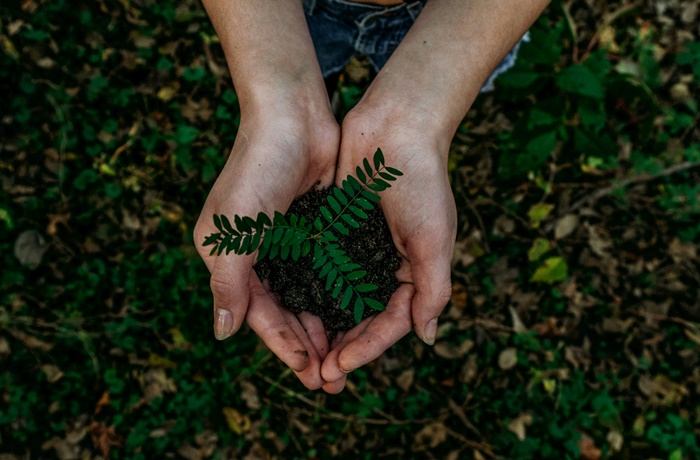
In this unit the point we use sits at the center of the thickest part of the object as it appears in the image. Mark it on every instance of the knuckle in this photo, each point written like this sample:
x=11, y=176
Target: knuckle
x=221, y=285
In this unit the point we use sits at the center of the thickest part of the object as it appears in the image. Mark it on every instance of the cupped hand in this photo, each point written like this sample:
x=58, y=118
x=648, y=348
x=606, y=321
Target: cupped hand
x=420, y=210
x=275, y=158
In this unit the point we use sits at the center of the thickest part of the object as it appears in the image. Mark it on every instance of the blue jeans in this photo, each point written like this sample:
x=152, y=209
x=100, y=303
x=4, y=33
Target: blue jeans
x=340, y=29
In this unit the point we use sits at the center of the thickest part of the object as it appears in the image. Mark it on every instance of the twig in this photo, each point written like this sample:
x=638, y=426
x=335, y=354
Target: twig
x=598, y=194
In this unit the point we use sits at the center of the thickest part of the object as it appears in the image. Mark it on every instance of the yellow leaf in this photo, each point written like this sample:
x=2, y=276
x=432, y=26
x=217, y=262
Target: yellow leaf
x=539, y=247
x=549, y=385
x=168, y=92
x=553, y=270
x=538, y=213
x=158, y=361
x=237, y=422
x=8, y=47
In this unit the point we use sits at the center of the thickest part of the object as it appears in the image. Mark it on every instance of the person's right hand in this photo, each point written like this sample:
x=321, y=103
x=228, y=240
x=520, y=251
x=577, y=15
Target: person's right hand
x=279, y=154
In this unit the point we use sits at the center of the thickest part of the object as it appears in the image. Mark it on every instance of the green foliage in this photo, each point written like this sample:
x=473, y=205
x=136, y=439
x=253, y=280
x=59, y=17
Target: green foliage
x=295, y=237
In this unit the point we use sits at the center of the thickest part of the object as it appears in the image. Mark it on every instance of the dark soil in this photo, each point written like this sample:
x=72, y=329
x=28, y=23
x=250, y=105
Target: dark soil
x=298, y=284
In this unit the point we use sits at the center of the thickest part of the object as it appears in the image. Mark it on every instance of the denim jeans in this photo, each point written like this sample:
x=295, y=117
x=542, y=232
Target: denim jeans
x=341, y=28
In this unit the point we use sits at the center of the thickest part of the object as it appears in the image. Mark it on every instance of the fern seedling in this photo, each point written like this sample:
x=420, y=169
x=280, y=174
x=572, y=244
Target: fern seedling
x=290, y=236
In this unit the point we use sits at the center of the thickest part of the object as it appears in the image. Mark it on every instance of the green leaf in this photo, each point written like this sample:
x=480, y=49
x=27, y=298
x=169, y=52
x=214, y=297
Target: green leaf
x=579, y=79
x=334, y=204
x=305, y=248
x=213, y=250
x=277, y=234
x=376, y=187
x=374, y=304
x=382, y=183
x=330, y=278
x=554, y=269
x=348, y=267
x=341, y=228
x=227, y=225
x=358, y=212
x=394, y=171
x=273, y=251
x=359, y=309
x=263, y=252
x=284, y=252
x=224, y=244
x=539, y=212
x=370, y=196
x=250, y=223
x=329, y=237
x=318, y=224
x=217, y=223
x=245, y=244
x=356, y=275
x=241, y=225
x=288, y=235
x=368, y=168
x=364, y=203
x=347, y=297
x=236, y=244
x=366, y=287
x=279, y=219
x=340, y=196
x=211, y=239
x=350, y=221
x=355, y=184
x=327, y=214
x=319, y=261
x=296, y=251
x=387, y=176
x=255, y=242
x=337, y=288
x=360, y=175
x=378, y=159
x=539, y=248
x=325, y=270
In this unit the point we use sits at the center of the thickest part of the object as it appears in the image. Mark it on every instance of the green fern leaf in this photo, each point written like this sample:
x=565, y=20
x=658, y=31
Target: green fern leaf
x=325, y=270
x=255, y=242
x=245, y=244
x=334, y=204
x=350, y=221
x=264, y=220
x=328, y=237
x=234, y=245
x=337, y=288
x=348, y=267
x=366, y=287
x=225, y=242
x=305, y=248
x=327, y=214
x=364, y=203
x=360, y=175
x=376, y=187
x=319, y=261
x=370, y=196
x=374, y=304
x=274, y=251
x=227, y=225
x=354, y=184
x=340, y=196
x=213, y=250
x=359, y=309
x=382, y=182
x=358, y=212
x=284, y=252
x=211, y=239
x=378, y=159
x=217, y=223
x=330, y=278
x=347, y=297
x=296, y=251
x=387, y=176
x=240, y=225
x=279, y=220
x=288, y=235
x=263, y=252
x=277, y=235
x=368, y=168
x=393, y=171
x=341, y=228
x=356, y=275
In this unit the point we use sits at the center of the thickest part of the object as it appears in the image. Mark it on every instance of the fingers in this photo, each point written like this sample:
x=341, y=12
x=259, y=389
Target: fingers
x=274, y=328
x=371, y=338
x=310, y=377
x=431, y=273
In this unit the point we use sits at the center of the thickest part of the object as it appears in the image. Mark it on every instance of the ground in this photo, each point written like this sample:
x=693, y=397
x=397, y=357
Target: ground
x=573, y=329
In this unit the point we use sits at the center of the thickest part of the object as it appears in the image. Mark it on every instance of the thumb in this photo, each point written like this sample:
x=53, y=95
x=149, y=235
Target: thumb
x=230, y=286
x=431, y=273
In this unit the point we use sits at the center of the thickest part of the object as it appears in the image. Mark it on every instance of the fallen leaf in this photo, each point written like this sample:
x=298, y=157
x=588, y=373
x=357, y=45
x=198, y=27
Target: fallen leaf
x=518, y=325
x=30, y=247
x=448, y=351
x=616, y=440
x=250, y=395
x=539, y=248
x=104, y=438
x=431, y=435
x=518, y=425
x=405, y=380
x=508, y=358
x=539, y=212
x=588, y=449
x=52, y=372
x=554, y=269
x=237, y=422
x=565, y=226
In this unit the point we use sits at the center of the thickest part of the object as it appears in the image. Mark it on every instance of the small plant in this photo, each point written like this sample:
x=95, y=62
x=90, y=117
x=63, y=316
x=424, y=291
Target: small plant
x=296, y=237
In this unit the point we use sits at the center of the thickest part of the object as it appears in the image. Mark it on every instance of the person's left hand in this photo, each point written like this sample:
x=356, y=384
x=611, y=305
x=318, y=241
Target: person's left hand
x=421, y=214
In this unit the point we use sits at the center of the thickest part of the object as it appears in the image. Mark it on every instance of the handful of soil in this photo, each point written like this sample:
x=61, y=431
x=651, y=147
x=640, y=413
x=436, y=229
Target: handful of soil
x=298, y=285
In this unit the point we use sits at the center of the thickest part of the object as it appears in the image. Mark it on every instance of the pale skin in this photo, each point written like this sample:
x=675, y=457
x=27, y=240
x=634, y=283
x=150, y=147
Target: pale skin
x=288, y=141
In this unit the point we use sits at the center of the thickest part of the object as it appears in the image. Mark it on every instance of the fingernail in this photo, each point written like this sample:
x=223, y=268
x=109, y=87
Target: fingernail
x=223, y=324
x=430, y=331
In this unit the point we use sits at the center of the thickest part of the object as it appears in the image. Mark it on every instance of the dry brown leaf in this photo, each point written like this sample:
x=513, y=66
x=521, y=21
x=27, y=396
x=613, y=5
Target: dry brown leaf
x=405, y=380
x=52, y=372
x=565, y=226
x=449, y=351
x=250, y=395
x=104, y=438
x=508, y=358
x=431, y=435
x=588, y=449
x=518, y=425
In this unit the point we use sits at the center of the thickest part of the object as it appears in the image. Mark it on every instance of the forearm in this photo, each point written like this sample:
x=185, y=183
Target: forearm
x=269, y=51
x=450, y=51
